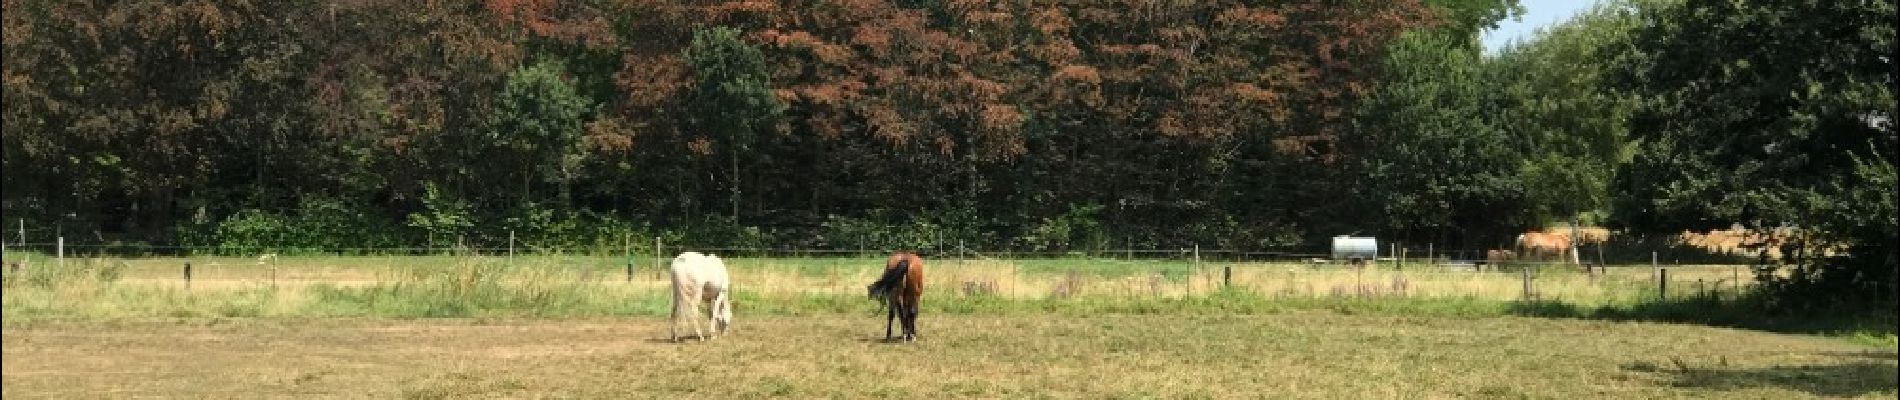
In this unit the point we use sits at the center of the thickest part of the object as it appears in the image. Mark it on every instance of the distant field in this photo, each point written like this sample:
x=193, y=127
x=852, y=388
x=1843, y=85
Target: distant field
x=1314, y=354
x=571, y=286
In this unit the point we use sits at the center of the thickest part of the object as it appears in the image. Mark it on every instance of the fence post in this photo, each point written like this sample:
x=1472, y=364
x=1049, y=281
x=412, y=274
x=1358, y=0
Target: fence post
x=1227, y=277
x=511, y=245
x=1662, y=283
x=187, y=276
x=658, y=258
x=61, y=250
x=1194, y=268
x=1529, y=292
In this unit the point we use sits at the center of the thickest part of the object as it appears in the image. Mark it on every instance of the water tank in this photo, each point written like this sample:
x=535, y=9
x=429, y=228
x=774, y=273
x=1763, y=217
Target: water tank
x=1348, y=247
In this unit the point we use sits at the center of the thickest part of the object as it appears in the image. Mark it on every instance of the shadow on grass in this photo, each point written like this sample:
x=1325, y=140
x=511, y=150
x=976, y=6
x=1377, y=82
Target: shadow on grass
x=1744, y=313
x=683, y=339
x=1849, y=376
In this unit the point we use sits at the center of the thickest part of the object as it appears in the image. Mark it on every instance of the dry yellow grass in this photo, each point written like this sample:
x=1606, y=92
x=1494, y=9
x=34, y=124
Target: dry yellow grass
x=1289, y=355
x=1009, y=279
x=113, y=328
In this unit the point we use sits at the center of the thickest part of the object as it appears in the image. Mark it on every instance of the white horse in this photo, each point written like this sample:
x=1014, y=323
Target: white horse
x=701, y=278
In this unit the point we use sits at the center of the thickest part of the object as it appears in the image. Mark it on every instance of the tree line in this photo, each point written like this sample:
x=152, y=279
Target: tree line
x=1040, y=125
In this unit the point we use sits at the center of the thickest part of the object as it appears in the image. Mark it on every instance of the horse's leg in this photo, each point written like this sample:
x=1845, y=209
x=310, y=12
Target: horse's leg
x=674, y=327
x=910, y=320
x=722, y=307
x=712, y=313
x=890, y=307
x=692, y=314
x=711, y=327
x=696, y=317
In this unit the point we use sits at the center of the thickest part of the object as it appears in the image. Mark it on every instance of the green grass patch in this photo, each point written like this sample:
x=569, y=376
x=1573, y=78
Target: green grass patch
x=581, y=286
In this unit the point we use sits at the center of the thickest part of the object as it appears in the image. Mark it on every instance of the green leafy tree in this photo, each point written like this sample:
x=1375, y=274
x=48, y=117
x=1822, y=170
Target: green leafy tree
x=731, y=95
x=538, y=123
x=1772, y=115
x=1572, y=125
x=442, y=217
x=1432, y=163
x=1460, y=21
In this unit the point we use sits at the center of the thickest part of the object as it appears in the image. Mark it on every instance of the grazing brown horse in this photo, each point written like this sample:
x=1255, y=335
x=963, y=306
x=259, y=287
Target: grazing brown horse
x=901, y=286
x=1544, y=244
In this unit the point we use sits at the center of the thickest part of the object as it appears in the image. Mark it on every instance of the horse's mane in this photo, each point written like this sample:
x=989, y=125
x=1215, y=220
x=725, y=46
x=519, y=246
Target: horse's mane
x=893, y=279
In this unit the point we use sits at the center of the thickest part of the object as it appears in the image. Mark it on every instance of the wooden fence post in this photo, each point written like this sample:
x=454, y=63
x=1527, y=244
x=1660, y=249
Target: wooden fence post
x=1529, y=293
x=1662, y=283
x=1194, y=268
x=187, y=276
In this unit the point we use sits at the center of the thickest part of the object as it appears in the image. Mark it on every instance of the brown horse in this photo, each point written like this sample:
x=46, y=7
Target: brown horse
x=1544, y=244
x=900, y=288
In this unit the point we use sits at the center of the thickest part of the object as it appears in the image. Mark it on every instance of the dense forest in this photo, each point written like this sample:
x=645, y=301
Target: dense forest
x=1035, y=125
x=1050, y=125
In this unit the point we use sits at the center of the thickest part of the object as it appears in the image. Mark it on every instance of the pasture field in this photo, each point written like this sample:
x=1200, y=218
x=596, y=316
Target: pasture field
x=561, y=326
x=1300, y=354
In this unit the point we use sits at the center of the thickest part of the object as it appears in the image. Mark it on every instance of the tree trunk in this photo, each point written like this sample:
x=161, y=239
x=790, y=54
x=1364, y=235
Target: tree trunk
x=735, y=185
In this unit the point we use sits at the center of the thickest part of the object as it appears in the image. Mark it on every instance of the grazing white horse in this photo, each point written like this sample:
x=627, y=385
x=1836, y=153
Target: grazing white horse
x=701, y=278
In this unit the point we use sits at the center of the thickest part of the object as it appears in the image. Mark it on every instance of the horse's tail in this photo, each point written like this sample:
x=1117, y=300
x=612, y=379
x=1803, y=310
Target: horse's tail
x=892, y=280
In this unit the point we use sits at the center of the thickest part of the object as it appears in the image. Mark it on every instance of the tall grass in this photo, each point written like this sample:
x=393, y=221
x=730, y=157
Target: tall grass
x=578, y=286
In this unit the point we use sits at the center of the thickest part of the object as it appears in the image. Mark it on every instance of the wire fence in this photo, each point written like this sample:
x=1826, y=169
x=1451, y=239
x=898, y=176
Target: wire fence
x=1403, y=271
x=1399, y=254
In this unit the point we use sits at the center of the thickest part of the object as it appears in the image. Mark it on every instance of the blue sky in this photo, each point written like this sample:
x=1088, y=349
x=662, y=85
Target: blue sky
x=1537, y=14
